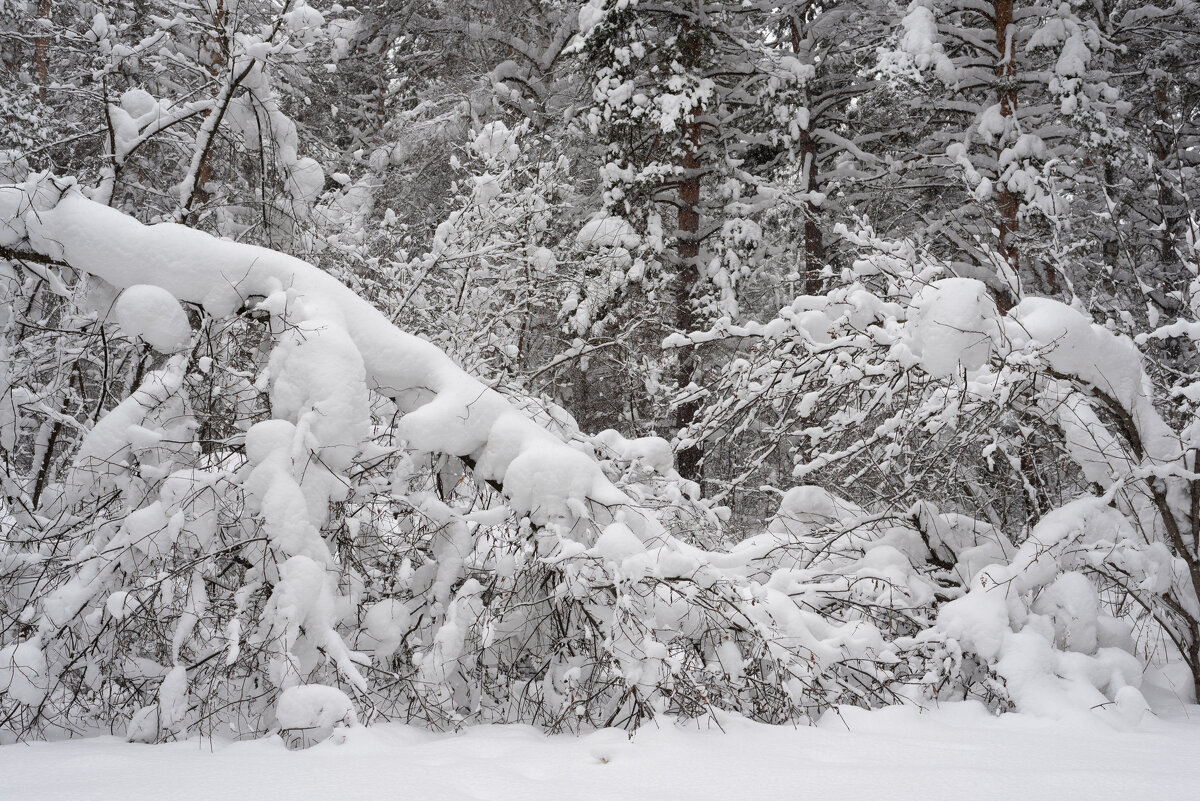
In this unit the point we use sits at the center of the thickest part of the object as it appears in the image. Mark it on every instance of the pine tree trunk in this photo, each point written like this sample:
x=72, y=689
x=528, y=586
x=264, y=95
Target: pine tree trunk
x=686, y=276
x=687, y=271
x=1162, y=154
x=1196, y=673
x=41, y=52
x=214, y=48
x=814, y=248
x=1006, y=94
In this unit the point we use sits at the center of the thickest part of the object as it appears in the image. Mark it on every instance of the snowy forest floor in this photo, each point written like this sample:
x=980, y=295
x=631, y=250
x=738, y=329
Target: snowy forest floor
x=952, y=752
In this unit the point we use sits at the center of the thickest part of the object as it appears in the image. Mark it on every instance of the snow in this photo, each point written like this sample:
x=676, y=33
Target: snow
x=896, y=753
x=153, y=314
x=386, y=622
x=168, y=716
x=139, y=103
x=542, y=476
x=105, y=447
x=617, y=543
x=920, y=42
x=496, y=143
x=806, y=508
x=314, y=706
x=172, y=697
x=1034, y=618
x=994, y=620
x=955, y=323
x=23, y=672
x=1071, y=344
x=544, y=260
x=993, y=123
x=1072, y=603
x=487, y=189
x=590, y=16
x=119, y=605
x=886, y=386
x=606, y=232
x=306, y=179
x=1074, y=58
x=653, y=452
x=14, y=167
x=266, y=437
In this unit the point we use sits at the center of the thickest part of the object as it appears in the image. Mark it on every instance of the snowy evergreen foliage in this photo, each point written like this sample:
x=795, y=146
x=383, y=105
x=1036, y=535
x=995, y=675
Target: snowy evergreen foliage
x=584, y=364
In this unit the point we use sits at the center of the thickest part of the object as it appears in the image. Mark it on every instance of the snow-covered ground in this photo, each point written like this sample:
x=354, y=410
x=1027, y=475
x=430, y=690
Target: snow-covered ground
x=955, y=752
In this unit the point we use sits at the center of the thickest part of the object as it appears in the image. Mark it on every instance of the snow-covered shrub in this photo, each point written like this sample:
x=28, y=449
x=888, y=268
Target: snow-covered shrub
x=306, y=495
x=906, y=390
x=308, y=517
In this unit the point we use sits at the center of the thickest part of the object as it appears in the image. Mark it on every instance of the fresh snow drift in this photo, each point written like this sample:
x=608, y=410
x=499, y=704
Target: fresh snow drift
x=897, y=753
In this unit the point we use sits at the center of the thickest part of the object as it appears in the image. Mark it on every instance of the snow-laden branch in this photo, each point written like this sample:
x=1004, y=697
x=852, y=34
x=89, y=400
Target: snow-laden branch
x=831, y=603
x=648, y=623
x=446, y=410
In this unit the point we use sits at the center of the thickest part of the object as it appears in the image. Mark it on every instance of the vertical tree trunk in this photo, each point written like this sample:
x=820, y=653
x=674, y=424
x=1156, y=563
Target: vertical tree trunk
x=1112, y=244
x=1163, y=147
x=814, y=248
x=213, y=52
x=1006, y=95
x=41, y=52
x=687, y=271
x=1194, y=659
x=686, y=276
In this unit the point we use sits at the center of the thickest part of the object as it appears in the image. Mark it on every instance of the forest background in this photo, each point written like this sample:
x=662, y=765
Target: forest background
x=859, y=340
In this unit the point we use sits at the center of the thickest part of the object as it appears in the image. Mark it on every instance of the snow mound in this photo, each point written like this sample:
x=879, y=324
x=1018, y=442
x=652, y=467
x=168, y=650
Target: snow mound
x=808, y=508
x=386, y=622
x=956, y=322
x=920, y=43
x=153, y=314
x=312, y=711
x=1014, y=615
x=590, y=16
x=23, y=672
x=653, y=452
x=165, y=718
x=1071, y=344
x=306, y=180
x=607, y=232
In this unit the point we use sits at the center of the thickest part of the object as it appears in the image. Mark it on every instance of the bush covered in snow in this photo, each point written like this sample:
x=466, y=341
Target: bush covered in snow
x=893, y=406
x=310, y=518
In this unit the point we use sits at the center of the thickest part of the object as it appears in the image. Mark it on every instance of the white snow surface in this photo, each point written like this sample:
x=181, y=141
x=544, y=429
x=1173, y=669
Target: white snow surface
x=955, y=323
x=153, y=313
x=23, y=672
x=496, y=143
x=898, y=753
x=606, y=232
x=590, y=16
x=920, y=41
x=314, y=706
